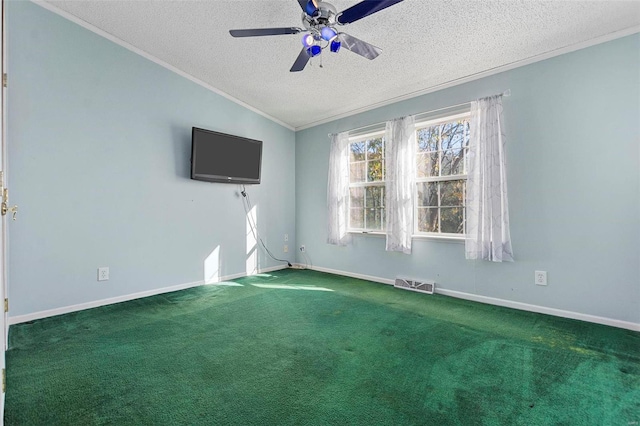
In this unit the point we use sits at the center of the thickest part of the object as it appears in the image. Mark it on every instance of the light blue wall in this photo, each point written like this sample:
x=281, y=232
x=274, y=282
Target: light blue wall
x=99, y=142
x=574, y=188
x=99, y=150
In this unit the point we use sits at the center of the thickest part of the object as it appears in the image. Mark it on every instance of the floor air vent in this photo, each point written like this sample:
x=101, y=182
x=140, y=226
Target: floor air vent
x=414, y=285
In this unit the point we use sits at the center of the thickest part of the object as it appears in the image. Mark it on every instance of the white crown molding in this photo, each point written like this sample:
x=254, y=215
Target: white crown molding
x=498, y=302
x=152, y=58
x=502, y=68
x=462, y=80
x=124, y=298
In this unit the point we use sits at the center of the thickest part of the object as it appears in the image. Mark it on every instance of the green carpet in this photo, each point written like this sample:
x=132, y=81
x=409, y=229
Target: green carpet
x=307, y=348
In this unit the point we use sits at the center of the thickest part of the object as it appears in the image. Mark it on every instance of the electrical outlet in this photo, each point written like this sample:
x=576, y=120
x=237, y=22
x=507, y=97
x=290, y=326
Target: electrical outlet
x=103, y=273
x=303, y=248
x=286, y=237
x=286, y=248
x=541, y=277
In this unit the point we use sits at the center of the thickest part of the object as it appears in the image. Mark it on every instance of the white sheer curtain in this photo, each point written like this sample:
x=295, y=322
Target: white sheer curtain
x=400, y=159
x=338, y=190
x=488, y=236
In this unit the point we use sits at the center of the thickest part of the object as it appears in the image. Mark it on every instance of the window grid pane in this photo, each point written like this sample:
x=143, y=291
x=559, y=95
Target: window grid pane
x=357, y=152
x=439, y=198
x=428, y=219
x=356, y=171
x=451, y=220
x=357, y=218
x=439, y=152
x=374, y=207
x=452, y=193
x=375, y=171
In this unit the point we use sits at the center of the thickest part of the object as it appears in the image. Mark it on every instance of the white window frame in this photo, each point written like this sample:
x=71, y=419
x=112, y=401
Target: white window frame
x=427, y=119
x=416, y=232
x=364, y=138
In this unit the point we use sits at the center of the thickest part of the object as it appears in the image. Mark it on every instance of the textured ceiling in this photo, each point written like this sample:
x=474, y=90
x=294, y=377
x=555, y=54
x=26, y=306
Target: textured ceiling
x=425, y=44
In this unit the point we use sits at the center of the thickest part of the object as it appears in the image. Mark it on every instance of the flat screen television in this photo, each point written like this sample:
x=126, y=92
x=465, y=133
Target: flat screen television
x=218, y=157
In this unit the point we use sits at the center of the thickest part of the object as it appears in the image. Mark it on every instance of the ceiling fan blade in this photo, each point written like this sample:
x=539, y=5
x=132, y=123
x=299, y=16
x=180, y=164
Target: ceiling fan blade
x=303, y=4
x=358, y=46
x=301, y=61
x=258, y=32
x=363, y=9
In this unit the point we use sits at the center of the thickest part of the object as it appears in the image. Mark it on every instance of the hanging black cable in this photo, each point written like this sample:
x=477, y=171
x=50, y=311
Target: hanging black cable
x=246, y=203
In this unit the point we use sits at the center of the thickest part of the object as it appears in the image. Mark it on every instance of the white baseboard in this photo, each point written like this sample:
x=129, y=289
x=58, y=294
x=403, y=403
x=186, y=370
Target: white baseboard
x=352, y=275
x=452, y=293
x=499, y=302
x=540, y=309
x=96, y=303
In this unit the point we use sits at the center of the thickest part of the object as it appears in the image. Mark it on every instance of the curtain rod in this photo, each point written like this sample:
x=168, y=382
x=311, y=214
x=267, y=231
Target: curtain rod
x=506, y=94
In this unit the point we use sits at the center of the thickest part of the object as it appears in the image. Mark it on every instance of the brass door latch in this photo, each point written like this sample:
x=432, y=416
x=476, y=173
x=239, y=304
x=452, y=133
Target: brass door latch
x=4, y=209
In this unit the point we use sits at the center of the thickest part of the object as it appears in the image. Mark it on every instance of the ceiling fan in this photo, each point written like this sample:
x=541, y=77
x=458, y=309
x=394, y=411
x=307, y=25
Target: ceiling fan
x=320, y=20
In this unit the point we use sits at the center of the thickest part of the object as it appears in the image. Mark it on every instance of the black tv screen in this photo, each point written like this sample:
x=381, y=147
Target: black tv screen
x=217, y=157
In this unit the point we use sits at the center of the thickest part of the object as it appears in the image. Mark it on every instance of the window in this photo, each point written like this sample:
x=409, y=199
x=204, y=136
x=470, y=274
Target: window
x=366, y=183
x=442, y=148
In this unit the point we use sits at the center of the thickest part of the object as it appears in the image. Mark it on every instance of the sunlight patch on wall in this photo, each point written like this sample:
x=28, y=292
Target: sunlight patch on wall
x=252, y=263
x=212, y=267
x=252, y=241
x=252, y=218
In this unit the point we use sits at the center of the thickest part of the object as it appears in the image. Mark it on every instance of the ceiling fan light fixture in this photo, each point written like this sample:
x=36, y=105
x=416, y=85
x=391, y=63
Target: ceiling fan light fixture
x=319, y=22
x=314, y=50
x=307, y=40
x=328, y=33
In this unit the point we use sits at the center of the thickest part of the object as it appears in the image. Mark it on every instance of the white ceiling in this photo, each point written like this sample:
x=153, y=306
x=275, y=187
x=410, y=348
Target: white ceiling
x=425, y=44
